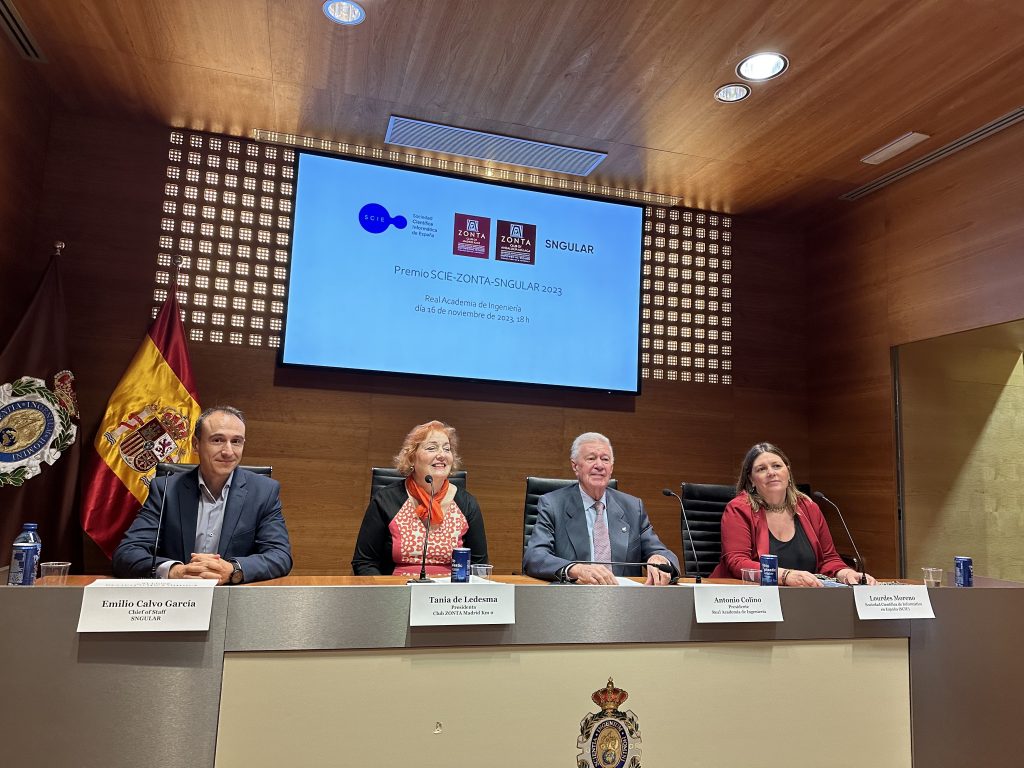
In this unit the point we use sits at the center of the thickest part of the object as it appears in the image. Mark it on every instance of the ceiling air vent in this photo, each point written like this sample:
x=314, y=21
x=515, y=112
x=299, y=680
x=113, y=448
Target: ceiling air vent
x=941, y=153
x=18, y=32
x=478, y=145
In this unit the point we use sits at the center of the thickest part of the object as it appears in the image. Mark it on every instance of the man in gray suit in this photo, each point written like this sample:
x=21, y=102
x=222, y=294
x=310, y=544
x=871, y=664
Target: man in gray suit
x=590, y=521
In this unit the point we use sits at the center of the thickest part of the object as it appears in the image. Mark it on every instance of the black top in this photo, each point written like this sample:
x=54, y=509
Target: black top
x=797, y=553
x=373, y=553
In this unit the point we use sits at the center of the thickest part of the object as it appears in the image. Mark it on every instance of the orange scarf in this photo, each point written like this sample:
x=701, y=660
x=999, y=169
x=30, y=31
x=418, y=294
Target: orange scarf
x=423, y=500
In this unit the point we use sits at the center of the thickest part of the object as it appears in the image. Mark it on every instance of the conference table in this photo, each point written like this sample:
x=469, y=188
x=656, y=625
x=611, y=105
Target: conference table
x=326, y=671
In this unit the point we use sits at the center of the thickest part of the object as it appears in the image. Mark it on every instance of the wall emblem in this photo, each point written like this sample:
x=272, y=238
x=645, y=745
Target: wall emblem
x=36, y=425
x=609, y=738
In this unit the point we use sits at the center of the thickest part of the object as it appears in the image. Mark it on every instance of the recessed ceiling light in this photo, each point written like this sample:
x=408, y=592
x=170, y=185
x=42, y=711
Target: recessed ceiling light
x=344, y=12
x=732, y=92
x=762, y=66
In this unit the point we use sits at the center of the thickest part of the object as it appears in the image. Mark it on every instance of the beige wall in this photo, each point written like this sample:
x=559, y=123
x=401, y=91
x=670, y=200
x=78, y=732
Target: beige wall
x=512, y=707
x=963, y=432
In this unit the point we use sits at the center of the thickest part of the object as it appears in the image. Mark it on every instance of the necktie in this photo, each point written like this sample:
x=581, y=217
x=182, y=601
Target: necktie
x=602, y=544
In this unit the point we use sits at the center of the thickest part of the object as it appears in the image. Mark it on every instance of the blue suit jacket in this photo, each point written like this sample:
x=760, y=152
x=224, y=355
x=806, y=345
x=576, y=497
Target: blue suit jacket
x=253, y=532
x=560, y=536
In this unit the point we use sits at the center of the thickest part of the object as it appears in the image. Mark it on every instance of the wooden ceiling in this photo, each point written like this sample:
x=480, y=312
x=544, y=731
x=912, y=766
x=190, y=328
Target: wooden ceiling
x=632, y=78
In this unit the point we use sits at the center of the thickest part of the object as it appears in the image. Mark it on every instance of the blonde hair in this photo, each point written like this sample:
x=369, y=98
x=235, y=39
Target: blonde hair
x=405, y=459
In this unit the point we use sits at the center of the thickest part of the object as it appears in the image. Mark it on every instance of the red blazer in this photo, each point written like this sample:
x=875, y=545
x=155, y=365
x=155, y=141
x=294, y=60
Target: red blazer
x=745, y=538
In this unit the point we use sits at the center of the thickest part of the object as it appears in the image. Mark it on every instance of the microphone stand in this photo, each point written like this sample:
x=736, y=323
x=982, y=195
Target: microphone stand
x=686, y=521
x=863, y=573
x=159, y=522
x=423, y=579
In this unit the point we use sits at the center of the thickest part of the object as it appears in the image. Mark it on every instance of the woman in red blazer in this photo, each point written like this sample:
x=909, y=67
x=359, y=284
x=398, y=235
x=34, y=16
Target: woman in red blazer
x=770, y=516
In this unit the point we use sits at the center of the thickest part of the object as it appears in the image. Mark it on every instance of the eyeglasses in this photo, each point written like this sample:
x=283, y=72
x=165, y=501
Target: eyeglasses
x=217, y=441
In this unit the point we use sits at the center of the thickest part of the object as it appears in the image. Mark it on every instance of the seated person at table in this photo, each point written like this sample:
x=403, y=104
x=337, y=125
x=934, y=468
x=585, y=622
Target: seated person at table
x=395, y=523
x=769, y=516
x=590, y=521
x=220, y=521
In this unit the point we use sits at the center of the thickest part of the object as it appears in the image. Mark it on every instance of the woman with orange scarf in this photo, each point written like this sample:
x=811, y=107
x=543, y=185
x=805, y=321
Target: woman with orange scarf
x=391, y=537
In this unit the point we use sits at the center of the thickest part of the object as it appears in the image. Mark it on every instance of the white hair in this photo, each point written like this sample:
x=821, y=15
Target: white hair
x=589, y=437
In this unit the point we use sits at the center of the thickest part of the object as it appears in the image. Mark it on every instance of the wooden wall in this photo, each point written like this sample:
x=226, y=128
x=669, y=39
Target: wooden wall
x=24, y=128
x=936, y=253
x=322, y=433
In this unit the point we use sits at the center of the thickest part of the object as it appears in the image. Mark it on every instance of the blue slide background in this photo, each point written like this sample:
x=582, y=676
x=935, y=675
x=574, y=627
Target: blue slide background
x=361, y=300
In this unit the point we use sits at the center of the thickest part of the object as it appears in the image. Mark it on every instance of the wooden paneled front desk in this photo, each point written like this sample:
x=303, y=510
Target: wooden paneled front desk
x=327, y=672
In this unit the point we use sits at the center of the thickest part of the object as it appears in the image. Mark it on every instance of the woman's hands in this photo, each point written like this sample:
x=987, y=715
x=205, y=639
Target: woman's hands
x=794, y=578
x=850, y=576
x=790, y=577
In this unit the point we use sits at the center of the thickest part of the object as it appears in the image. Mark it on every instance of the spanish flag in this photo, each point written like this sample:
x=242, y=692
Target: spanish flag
x=149, y=419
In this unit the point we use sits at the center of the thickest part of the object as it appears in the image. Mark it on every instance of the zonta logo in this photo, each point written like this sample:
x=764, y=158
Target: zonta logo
x=516, y=242
x=374, y=218
x=473, y=230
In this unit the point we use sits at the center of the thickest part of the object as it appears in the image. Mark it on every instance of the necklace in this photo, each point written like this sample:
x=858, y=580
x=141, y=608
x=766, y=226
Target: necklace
x=775, y=507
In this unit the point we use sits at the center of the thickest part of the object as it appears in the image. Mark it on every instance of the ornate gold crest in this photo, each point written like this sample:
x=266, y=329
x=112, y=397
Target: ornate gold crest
x=36, y=425
x=609, y=738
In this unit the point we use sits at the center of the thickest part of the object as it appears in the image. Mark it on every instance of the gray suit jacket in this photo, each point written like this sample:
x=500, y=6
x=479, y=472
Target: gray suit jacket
x=560, y=535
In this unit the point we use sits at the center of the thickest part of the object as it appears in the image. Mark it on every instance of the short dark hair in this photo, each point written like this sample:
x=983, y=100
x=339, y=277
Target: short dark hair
x=216, y=409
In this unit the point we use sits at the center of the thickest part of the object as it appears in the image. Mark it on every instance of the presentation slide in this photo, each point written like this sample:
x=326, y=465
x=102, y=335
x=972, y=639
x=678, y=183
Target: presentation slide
x=410, y=272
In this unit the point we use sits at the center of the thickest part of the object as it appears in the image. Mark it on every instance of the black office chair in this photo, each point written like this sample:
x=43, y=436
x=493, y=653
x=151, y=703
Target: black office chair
x=537, y=487
x=166, y=468
x=704, y=504
x=382, y=476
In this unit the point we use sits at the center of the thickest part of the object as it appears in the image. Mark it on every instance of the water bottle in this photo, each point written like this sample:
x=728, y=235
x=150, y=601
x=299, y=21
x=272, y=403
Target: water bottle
x=30, y=535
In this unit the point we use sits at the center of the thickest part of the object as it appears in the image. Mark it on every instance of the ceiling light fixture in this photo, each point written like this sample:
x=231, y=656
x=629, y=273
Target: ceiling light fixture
x=894, y=147
x=762, y=66
x=344, y=12
x=733, y=92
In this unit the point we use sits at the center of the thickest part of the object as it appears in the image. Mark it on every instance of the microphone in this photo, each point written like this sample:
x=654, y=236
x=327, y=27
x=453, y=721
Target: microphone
x=426, y=537
x=863, y=574
x=686, y=521
x=159, y=520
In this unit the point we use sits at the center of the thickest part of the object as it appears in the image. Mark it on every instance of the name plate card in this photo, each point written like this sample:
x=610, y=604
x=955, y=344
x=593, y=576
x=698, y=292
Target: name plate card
x=722, y=603
x=479, y=602
x=893, y=601
x=147, y=605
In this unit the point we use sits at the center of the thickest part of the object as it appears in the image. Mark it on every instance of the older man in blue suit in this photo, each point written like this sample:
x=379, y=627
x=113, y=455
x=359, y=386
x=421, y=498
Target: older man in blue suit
x=589, y=521
x=220, y=521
